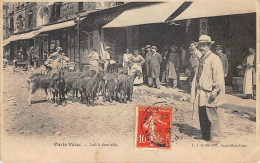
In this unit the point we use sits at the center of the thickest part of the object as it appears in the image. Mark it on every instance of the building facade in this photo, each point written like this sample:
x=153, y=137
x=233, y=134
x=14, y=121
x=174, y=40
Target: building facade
x=23, y=17
x=78, y=27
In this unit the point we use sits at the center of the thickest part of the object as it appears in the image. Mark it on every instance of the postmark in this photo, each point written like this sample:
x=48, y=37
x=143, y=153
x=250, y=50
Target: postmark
x=153, y=127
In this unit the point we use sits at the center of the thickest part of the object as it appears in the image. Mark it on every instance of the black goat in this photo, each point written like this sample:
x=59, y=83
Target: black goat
x=57, y=87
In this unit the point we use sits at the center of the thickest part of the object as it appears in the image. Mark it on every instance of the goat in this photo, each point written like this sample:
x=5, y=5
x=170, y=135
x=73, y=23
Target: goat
x=110, y=86
x=125, y=86
x=38, y=81
x=88, y=87
x=57, y=87
x=71, y=82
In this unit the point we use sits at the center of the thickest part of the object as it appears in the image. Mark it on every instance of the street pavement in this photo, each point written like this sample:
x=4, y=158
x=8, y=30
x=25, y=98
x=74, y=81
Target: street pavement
x=107, y=121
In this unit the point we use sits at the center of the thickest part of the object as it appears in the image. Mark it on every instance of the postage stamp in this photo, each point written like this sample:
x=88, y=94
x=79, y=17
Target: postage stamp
x=153, y=127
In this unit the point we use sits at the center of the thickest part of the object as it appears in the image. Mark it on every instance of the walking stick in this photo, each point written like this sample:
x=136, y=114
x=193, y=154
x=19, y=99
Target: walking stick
x=193, y=105
x=192, y=112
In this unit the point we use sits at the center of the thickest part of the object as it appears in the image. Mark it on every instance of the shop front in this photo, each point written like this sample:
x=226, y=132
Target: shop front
x=41, y=47
x=53, y=36
x=231, y=26
x=150, y=28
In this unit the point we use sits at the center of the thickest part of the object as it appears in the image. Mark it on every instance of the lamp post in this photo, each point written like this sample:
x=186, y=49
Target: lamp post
x=77, y=27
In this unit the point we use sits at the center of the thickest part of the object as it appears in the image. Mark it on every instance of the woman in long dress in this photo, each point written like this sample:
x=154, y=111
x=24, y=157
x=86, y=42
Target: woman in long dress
x=249, y=78
x=137, y=61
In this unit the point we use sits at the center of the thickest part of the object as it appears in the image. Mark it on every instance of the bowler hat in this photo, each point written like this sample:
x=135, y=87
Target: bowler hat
x=148, y=46
x=154, y=47
x=205, y=39
x=219, y=46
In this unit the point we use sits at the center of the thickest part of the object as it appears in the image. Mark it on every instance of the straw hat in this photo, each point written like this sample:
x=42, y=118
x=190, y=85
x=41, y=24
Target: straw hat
x=205, y=39
x=58, y=48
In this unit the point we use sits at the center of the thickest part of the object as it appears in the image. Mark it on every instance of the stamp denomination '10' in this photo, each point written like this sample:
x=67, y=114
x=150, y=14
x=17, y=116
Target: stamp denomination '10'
x=153, y=127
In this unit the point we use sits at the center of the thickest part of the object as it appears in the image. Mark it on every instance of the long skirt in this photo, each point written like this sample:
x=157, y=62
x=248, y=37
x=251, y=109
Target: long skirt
x=248, y=81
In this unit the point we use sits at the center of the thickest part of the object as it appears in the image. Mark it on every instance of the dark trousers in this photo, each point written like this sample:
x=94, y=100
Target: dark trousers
x=173, y=83
x=209, y=122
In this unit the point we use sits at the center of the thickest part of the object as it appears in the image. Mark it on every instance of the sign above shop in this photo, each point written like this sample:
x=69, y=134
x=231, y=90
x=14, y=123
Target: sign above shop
x=203, y=26
x=104, y=19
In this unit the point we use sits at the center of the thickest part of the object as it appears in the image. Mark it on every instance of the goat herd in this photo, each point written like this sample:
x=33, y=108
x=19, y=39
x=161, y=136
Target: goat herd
x=111, y=85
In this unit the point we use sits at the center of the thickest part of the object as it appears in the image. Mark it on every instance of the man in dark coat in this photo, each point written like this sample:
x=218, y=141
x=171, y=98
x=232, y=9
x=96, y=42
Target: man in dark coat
x=147, y=62
x=165, y=56
x=143, y=53
x=154, y=68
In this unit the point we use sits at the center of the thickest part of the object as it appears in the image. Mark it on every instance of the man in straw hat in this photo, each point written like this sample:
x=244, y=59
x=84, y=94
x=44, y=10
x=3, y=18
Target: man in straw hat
x=154, y=68
x=57, y=60
x=210, y=86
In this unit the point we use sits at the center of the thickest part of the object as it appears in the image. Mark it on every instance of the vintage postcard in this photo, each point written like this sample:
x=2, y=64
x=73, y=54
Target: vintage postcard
x=130, y=81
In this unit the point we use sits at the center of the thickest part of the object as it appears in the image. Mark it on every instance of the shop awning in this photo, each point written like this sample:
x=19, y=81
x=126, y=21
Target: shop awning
x=10, y=39
x=57, y=26
x=23, y=36
x=28, y=35
x=206, y=8
x=157, y=13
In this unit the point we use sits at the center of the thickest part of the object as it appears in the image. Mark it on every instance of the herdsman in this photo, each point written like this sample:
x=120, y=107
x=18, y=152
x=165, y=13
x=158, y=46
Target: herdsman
x=209, y=87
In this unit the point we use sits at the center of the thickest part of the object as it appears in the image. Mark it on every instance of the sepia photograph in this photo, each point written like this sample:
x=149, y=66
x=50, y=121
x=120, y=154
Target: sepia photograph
x=130, y=81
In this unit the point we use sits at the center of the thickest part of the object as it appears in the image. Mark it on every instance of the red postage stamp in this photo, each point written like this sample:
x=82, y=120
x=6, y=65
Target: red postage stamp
x=153, y=127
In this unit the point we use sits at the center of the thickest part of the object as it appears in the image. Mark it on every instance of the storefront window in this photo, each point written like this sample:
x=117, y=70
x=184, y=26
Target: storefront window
x=30, y=18
x=80, y=6
x=12, y=23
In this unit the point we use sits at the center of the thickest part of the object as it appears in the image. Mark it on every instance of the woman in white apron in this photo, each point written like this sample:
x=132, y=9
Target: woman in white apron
x=137, y=61
x=249, y=78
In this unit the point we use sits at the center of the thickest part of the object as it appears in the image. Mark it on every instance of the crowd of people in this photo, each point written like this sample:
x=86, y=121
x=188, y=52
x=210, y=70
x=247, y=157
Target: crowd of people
x=156, y=68
x=206, y=70
x=166, y=67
